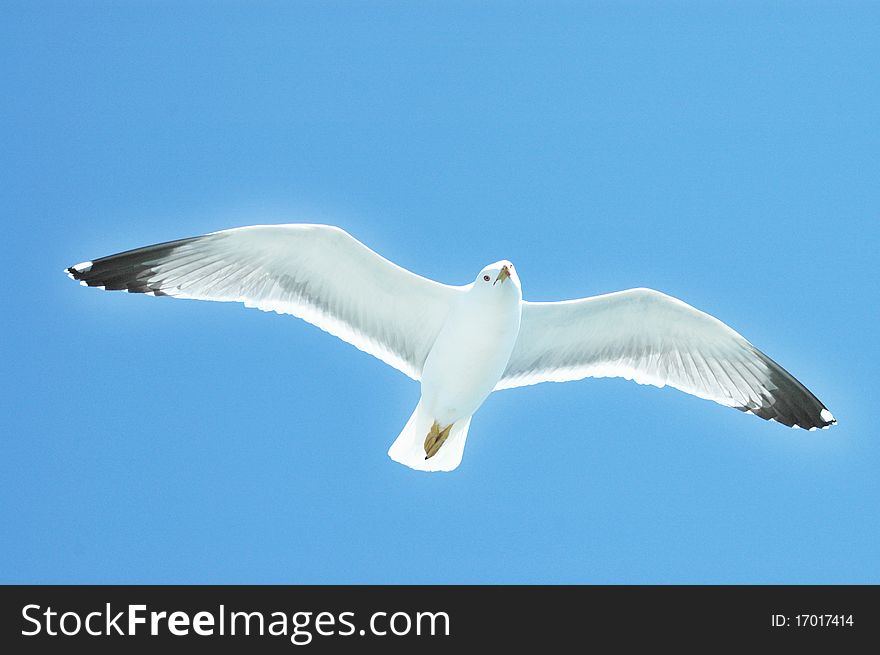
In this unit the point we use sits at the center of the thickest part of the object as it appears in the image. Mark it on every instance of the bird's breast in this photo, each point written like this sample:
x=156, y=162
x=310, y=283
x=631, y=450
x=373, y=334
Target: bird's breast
x=468, y=358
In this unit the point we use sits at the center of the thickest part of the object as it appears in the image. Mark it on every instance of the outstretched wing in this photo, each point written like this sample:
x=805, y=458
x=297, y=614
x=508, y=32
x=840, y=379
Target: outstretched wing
x=318, y=273
x=652, y=338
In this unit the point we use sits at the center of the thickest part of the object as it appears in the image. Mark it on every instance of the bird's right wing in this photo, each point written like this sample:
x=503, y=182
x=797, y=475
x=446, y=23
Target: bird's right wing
x=652, y=338
x=318, y=273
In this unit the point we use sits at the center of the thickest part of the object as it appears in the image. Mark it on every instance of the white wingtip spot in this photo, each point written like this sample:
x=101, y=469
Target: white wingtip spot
x=827, y=416
x=79, y=268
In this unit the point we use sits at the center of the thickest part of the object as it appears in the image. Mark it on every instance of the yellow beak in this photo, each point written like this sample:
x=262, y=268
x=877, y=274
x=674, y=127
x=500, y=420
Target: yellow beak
x=503, y=275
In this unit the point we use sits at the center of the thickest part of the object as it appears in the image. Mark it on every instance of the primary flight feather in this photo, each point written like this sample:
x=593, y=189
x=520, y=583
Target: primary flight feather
x=461, y=342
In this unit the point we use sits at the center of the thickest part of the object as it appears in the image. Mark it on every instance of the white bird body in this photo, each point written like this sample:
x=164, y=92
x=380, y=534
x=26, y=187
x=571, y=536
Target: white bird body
x=464, y=365
x=461, y=342
x=473, y=347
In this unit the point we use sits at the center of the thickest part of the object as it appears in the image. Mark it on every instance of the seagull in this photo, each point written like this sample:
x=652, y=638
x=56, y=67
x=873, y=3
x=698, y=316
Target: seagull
x=461, y=342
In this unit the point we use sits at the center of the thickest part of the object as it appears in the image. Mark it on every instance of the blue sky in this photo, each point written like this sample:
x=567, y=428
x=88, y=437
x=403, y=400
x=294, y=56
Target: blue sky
x=725, y=153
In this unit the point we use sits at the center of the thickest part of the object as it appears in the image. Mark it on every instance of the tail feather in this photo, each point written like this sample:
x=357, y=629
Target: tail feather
x=409, y=448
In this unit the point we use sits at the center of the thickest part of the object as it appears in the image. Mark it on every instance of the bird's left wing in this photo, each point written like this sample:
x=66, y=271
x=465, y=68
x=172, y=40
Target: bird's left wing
x=652, y=338
x=318, y=273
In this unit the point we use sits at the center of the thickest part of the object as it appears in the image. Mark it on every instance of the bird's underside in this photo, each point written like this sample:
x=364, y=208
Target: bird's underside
x=326, y=277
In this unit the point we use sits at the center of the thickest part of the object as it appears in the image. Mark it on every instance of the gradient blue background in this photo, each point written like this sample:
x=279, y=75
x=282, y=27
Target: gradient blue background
x=723, y=153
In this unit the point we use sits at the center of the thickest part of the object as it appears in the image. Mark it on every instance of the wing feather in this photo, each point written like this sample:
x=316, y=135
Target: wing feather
x=652, y=338
x=318, y=273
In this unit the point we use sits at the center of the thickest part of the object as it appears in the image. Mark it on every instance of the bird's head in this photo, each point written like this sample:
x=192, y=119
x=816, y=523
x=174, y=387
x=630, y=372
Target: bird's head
x=499, y=277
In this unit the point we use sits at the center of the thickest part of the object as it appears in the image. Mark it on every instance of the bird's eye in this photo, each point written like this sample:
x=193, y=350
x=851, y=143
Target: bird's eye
x=487, y=278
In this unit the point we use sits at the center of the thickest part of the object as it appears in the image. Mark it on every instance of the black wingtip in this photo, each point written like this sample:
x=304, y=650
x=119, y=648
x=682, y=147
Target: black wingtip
x=788, y=402
x=132, y=270
x=791, y=413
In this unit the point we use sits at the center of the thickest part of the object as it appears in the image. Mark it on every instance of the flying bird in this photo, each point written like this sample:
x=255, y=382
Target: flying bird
x=461, y=342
